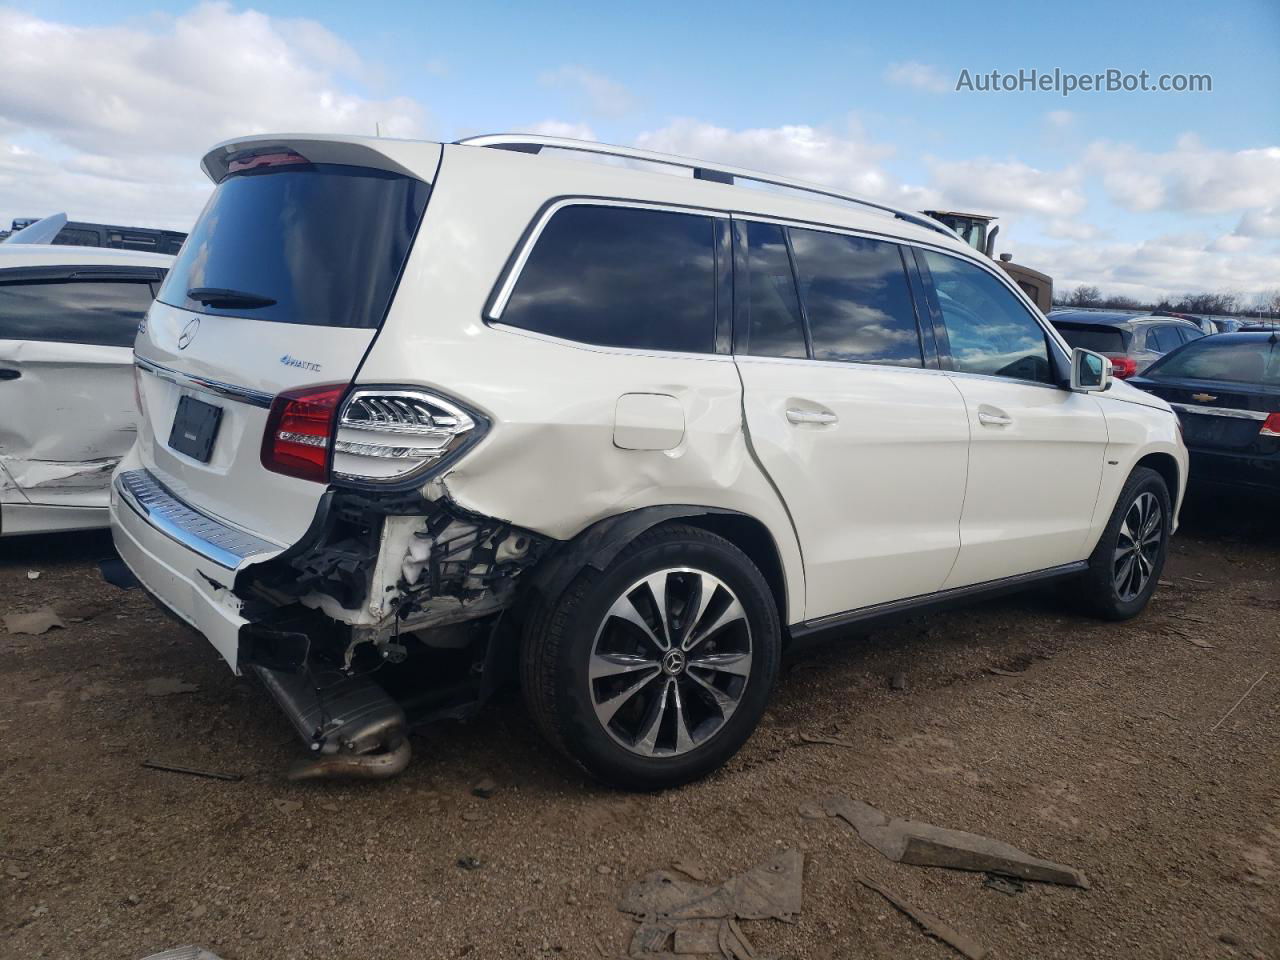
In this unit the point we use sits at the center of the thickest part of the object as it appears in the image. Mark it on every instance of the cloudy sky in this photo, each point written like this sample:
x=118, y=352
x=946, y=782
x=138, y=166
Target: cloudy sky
x=105, y=108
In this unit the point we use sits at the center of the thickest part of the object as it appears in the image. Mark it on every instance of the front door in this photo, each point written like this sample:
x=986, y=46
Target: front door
x=1037, y=449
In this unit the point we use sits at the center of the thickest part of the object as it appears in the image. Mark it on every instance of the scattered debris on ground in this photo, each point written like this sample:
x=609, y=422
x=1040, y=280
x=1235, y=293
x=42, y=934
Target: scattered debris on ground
x=671, y=908
x=33, y=574
x=934, y=926
x=1011, y=886
x=183, y=953
x=193, y=771
x=922, y=844
x=1006, y=673
x=35, y=623
x=484, y=788
x=288, y=806
x=832, y=741
x=898, y=681
x=168, y=686
x=469, y=863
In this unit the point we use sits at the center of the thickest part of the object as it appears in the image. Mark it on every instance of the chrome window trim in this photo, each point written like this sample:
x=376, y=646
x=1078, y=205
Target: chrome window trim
x=211, y=538
x=1232, y=412
x=499, y=305
x=603, y=348
x=229, y=390
x=843, y=364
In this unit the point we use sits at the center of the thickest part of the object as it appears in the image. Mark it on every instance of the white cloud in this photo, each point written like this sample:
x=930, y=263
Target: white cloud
x=562, y=128
x=599, y=94
x=920, y=76
x=1002, y=187
x=109, y=123
x=1190, y=178
x=1260, y=223
x=1060, y=118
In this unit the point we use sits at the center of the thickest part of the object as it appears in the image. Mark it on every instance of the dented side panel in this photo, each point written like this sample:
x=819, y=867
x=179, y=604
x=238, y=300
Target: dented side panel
x=69, y=417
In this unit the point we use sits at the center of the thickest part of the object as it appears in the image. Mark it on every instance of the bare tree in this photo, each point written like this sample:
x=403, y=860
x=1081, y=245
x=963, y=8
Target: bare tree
x=1084, y=296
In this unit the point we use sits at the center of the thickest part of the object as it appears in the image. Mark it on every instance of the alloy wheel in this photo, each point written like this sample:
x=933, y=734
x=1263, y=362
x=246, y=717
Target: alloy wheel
x=1138, y=546
x=670, y=662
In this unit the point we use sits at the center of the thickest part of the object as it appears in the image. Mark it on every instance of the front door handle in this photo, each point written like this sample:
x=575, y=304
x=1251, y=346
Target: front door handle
x=994, y=419
x=796, y=415
x=9, y=374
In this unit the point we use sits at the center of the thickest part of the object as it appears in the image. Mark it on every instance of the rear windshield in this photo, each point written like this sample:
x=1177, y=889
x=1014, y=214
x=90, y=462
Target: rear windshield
x=1252, y=360
x=324, y=242
x=1097, y=339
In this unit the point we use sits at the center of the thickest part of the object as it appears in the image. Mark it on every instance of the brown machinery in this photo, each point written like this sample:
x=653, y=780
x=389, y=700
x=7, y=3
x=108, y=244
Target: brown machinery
x=973, y=230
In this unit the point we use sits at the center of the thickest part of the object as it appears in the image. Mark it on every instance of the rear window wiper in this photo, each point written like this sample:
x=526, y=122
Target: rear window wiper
x=222, y=297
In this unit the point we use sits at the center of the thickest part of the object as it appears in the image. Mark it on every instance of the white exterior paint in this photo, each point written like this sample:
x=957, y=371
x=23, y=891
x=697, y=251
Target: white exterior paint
x=68, y=416
x=905, y=493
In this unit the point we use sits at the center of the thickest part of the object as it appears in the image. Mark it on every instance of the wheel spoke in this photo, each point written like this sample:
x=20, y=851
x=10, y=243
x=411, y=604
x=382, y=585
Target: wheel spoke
x=732, y=614
x=684, y=741
x=648, y=743
x=723, y=701
x=1124, y=573
x=617, y=664
x=739, y=664
x=657, y=584
x=625, y=609
x=706, y=593
x=606, y=709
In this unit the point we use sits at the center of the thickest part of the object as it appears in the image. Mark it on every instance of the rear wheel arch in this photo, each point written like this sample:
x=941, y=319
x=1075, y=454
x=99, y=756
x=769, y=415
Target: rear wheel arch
x=600, y=543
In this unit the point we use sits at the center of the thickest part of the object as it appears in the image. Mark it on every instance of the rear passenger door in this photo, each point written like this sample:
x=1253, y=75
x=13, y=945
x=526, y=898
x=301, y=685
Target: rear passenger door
x=1036, y=457
x=66, y=379
x=864, y=437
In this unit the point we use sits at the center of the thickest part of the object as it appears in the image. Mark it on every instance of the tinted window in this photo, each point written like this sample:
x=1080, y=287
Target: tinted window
x=990, y=331
x=1189, y=333
x=856, y=299
x=1162, y=338
x=105, y=312
x=1223, y=358
x=620, y=277
x=773, y=324
x=1097, y=339
x=324, y=242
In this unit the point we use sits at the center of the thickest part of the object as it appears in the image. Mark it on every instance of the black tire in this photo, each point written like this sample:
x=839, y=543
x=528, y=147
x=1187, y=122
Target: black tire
x=563, y=635
x=1104, y=594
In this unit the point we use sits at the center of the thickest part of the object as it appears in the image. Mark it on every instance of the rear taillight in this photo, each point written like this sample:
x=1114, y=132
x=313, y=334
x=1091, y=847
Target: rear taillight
x=300, y=431
x=1271, y=426
x=388, y=434
x=1122, y=367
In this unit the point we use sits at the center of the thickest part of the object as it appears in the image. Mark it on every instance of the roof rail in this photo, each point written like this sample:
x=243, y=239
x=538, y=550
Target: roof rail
x=717, y=173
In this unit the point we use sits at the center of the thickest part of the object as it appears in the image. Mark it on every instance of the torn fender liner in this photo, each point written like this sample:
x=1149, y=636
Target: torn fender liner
x=922, y=844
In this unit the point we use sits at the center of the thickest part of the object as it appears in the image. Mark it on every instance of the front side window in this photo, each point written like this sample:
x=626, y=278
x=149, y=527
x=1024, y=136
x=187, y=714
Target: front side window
x=774, y=327
x=102, y=312
x=1253, y=360
x=856, y=299
x=620, y=277
x=989, y=330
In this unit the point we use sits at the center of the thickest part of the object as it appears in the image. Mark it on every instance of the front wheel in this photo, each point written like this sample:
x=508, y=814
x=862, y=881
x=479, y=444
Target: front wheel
x=1126, y=565
x=654, y=672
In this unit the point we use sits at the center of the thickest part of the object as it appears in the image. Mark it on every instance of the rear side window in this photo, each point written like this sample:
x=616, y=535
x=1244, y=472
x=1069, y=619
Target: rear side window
x=102, y=312
x=1162, y=338
x=989, y=330
x=1097, y=339
x=620, y=277
x=319, y=244
x=856, y=299
x=774, y=327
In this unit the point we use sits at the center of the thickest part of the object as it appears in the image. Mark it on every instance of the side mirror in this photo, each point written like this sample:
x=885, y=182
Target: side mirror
x=1090, y=372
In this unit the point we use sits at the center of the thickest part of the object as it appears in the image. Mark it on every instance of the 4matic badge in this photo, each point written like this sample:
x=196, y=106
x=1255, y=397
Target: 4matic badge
x=290, y=361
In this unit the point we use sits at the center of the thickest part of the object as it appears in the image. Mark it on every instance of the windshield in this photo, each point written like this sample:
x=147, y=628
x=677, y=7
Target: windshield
x=1097, y=339
x=1251, y=360
x=319, y=244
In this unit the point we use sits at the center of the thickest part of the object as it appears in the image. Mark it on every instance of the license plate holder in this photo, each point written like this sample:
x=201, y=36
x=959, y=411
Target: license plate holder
x=195, y=428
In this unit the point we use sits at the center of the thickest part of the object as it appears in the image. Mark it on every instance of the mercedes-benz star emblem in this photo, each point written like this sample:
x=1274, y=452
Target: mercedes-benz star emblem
x=188, y=334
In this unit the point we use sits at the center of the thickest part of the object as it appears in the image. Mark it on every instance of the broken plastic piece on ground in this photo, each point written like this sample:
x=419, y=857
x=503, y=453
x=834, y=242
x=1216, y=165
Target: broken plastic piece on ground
x=934, y=926
x=922, y=844
x=183, y=953
x=193, y=771
x=1011, y=886
x=665, y=903
x=34, y=624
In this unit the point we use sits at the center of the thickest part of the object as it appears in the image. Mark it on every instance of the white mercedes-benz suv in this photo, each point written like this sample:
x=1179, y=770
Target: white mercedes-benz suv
x=417, y=417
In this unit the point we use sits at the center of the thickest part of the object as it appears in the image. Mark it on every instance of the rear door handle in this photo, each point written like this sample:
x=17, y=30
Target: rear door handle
x=994, y=419
x=9, y=374
x=796, y=415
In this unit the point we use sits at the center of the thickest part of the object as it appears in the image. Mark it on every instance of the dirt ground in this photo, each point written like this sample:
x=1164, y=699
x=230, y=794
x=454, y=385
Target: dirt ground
x=1101, y=753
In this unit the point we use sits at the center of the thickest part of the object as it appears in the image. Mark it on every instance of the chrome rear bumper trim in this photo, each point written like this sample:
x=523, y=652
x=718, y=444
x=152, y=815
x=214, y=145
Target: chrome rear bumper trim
x=212, y=539
x=229, y=390
x=1219, y=411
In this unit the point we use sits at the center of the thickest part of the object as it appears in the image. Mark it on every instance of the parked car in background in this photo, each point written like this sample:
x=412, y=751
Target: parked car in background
x=1131, y=343
x=625, y=432
x=68, y=318
x=76, y=233
x=1226, y=391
